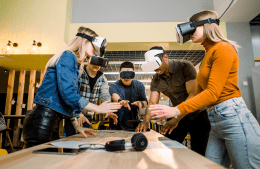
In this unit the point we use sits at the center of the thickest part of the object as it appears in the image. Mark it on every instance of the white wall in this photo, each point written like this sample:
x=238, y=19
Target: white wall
x=240, y=32
x=101, y=11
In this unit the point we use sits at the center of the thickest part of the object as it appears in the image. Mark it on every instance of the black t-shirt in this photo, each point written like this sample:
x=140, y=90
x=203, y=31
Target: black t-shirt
x=92, y=81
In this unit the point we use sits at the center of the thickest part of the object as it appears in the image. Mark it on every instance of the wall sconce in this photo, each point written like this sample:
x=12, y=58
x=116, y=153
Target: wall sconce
x=8, y=49
x=35, y=48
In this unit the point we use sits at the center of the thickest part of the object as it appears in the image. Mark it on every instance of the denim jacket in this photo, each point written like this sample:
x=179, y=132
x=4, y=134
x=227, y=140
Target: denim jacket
x=60, y=87
x=138, y=92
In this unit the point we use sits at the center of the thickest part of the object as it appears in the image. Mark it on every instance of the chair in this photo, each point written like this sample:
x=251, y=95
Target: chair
x=187, y=141
x=95, y=125
x=9, y=139
x=4, y=129
x=3, y=152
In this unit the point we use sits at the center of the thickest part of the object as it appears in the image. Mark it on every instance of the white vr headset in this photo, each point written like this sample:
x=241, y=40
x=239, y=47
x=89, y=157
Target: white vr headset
x=152, y=60
x=97, y=42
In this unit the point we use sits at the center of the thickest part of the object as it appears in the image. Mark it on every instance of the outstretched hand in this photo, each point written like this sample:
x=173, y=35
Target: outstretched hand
x=169, y=126
x=162, y=112
x=82, y=119
x=125, y=104
x=138, y=104
x=113, y=116
x=86, y=131
x=107, y=107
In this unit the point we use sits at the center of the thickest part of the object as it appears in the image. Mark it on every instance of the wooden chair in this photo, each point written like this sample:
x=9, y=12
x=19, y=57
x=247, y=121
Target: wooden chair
x=6, y=131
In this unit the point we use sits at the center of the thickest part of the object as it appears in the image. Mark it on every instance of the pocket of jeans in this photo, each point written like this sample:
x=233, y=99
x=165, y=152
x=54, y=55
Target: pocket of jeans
x=254, y=123
x=226, y=112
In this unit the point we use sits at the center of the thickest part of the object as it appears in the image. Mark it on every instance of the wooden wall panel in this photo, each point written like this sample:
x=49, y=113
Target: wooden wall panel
x=9, y=94
x=31, y=90
x=19, y=107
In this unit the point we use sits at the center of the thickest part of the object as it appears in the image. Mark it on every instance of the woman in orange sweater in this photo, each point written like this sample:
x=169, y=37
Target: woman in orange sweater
x=235, y=133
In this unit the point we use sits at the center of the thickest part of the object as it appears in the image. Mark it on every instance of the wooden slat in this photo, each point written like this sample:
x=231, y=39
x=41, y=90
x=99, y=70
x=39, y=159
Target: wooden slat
x=9, y=94
x=61, y=127
x=31, y=90
x=42, y=75
x=19, y=107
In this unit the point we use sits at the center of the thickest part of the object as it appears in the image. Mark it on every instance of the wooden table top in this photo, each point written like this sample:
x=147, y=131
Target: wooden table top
x=182, y=158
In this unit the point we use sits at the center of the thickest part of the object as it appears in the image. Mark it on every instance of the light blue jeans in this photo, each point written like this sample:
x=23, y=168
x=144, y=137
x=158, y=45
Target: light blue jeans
x=235, y=135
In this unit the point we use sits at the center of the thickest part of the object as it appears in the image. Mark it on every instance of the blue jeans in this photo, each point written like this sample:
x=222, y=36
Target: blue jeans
x=235, y=135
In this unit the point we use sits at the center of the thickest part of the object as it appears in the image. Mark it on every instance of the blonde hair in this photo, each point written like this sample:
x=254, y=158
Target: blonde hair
x=77, y=45
x=212, y=30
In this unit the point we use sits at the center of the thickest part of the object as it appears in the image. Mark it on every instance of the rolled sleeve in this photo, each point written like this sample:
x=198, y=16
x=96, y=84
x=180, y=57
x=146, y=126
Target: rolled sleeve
x=104, y=93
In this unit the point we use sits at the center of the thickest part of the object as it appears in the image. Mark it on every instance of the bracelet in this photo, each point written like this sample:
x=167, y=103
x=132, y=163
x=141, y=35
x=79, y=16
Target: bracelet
x=177, y=113
x=120, y=99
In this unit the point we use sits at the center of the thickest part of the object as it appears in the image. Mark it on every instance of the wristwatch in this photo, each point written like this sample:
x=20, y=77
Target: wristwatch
x=120, y=99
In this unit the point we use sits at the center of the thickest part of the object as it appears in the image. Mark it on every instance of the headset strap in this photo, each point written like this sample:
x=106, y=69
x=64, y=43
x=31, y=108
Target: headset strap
x=209, y=20
x=83, y=35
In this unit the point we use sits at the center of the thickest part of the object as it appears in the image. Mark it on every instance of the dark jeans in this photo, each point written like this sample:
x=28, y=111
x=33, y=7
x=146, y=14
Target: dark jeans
x=40, y=125
x=69, y=129
x=198, y=128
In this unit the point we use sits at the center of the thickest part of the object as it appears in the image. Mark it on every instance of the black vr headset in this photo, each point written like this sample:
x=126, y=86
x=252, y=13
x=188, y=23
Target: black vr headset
x=99, y=61
x=97, y=42
x=185, y=30
x=127, y=74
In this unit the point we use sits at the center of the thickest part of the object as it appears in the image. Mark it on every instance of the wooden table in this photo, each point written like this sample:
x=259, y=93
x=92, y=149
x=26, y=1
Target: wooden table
x=182, y=158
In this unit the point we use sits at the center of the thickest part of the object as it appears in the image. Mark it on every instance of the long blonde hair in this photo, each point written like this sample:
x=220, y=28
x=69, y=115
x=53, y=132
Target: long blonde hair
x=77, y=45
x=212, y=30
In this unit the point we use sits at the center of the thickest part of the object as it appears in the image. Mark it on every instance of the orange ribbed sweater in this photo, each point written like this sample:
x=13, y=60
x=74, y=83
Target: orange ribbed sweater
x=217, y=77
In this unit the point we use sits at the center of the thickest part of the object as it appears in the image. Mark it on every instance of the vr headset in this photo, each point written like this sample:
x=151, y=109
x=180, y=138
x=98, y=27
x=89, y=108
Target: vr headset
x=185, y=30
x=99, y=61
x=127, y=74
x=152, y=59
x=97, y=42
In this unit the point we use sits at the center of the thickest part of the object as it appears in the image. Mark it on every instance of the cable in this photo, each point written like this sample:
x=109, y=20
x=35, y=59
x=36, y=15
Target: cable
x=226, y=9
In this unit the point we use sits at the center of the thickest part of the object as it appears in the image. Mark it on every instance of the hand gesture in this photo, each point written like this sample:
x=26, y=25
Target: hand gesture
x=125, y=104
x=82, y=119
x=86, y=131
x=113, y=116
x=138, y=104
x=162, y=112
x=143, y=126
x=169, y=126
x=107, y=107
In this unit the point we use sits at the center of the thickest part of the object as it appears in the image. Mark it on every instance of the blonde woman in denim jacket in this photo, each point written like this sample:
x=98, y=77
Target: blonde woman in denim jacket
x=58, y=94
